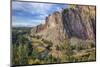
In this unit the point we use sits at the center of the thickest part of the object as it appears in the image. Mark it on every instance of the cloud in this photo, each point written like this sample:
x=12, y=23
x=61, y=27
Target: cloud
x=33, y=8
x=29, y=13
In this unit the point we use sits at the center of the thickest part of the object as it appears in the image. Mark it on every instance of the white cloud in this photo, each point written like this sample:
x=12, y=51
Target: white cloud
x=40, y=9
x=17, y=5
x=32, y=7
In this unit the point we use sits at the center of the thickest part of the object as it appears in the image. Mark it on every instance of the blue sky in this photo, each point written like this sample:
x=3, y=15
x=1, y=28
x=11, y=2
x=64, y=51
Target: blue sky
x=32, y=14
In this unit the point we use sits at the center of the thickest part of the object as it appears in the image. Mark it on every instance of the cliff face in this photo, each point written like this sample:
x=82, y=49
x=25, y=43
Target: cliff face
x=52, y=30
x=78, y=22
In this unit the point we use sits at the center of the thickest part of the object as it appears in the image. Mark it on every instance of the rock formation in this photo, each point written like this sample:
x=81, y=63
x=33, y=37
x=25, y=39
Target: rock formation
x=79, y=22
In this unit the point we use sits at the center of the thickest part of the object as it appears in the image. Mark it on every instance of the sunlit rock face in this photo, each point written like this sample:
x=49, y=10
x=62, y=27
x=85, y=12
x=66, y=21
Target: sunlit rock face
x=78, y=22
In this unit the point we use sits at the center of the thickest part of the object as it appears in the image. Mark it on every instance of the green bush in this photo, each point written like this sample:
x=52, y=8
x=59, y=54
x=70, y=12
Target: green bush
x=20, y=54
x=65, y=10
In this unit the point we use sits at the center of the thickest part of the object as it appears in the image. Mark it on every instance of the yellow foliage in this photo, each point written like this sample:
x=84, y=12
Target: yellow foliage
x=37, y=61
x=72, y=6
x=34, y=40
x=30, y=61
x=56, y=53
x=40, y=49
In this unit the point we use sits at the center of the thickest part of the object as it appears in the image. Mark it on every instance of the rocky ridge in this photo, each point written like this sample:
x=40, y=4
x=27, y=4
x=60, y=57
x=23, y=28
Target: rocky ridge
x=78, y=22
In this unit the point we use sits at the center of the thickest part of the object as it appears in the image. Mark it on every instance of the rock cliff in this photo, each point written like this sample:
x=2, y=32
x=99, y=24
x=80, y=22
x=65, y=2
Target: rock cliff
x=78, y=22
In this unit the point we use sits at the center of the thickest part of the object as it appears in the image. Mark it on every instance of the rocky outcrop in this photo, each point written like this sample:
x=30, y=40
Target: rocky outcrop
x=52, y=30
x=79, y=22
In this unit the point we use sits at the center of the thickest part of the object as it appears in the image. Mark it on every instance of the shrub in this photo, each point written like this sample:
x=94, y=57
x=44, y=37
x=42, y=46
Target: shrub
x=65, y=10
x=72, y=6
x=40, y=49
x=90, y=43
x=79, y=44
x=47, y=42
x=20, y=54
x=92, y=56
x=66, y=48
x=30, y=61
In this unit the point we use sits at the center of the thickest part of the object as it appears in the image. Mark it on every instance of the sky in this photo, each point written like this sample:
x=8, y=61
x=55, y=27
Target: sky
x=30, y=14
